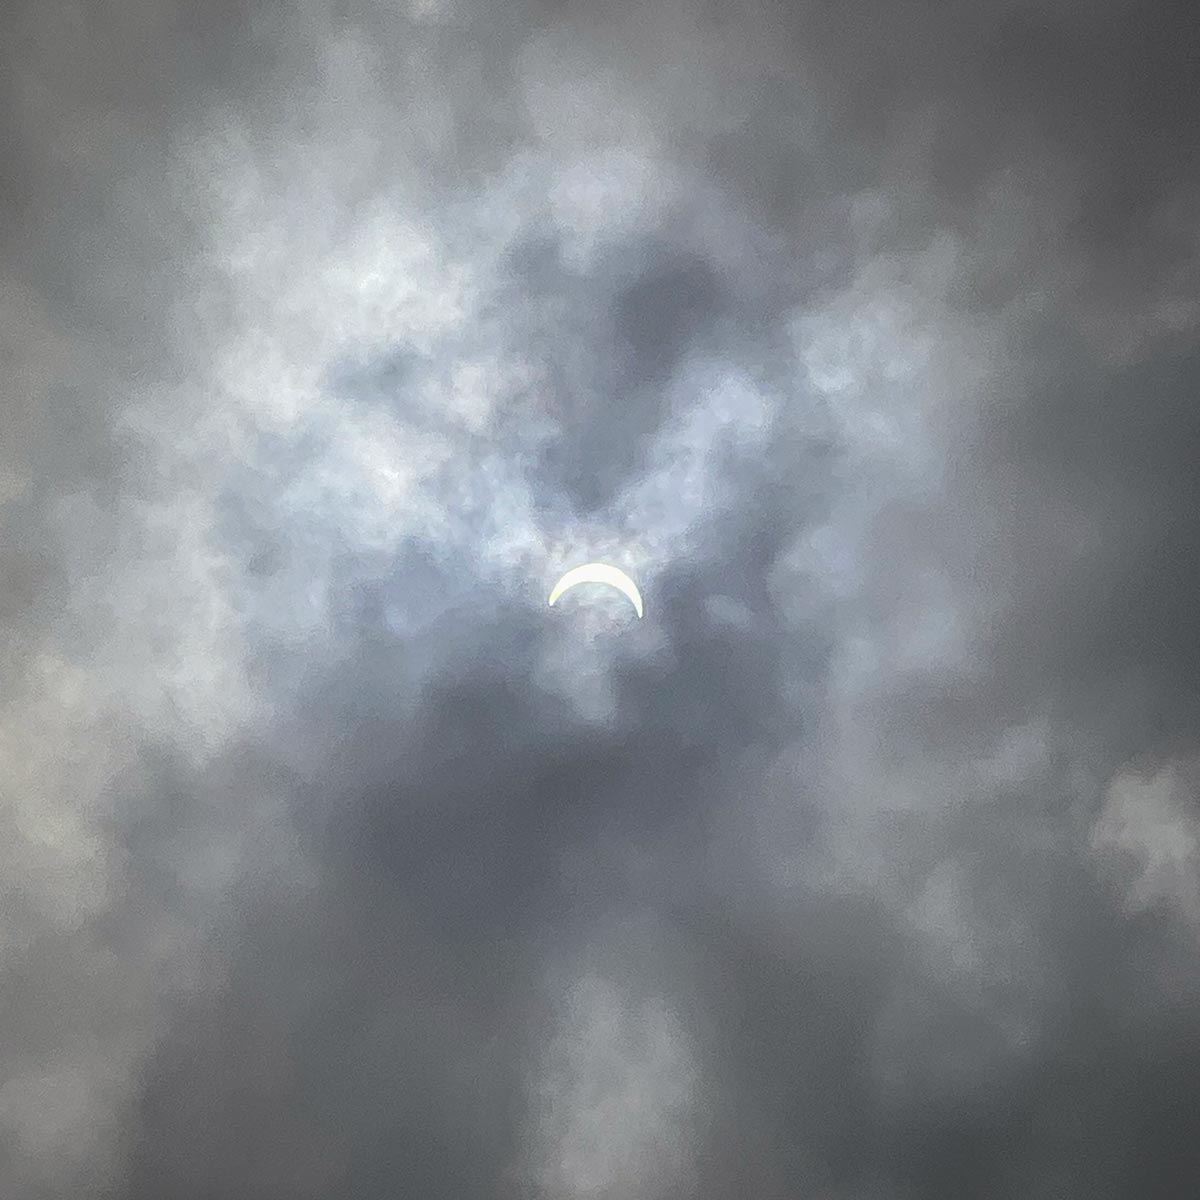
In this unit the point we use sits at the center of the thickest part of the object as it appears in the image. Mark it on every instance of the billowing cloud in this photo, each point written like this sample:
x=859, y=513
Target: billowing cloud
x=337, y=864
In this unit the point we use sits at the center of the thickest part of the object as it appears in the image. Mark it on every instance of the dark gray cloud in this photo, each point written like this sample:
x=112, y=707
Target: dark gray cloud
x=866, y=866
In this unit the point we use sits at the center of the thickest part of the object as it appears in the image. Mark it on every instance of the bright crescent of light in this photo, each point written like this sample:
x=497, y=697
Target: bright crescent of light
x=599, y=573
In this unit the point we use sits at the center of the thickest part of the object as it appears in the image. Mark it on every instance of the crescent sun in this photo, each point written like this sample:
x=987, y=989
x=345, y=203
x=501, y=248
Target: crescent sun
x=595, y=572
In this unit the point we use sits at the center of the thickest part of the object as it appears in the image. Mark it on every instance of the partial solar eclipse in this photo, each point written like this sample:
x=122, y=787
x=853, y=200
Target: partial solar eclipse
x=595, y=572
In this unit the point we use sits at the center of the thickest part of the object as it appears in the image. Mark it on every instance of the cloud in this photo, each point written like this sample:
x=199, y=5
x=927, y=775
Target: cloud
x=335, y=863
x=1150, y=825
x=615, y=1097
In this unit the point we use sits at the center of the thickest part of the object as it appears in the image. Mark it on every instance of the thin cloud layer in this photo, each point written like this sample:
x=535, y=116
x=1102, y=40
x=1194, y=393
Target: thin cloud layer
x=336, y=863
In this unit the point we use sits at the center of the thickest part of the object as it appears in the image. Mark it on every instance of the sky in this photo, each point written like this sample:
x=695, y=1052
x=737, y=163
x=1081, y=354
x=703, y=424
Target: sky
x=866, y=866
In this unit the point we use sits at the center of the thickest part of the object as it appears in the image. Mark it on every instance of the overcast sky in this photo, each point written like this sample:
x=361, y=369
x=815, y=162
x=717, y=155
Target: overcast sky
x=335, y=864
